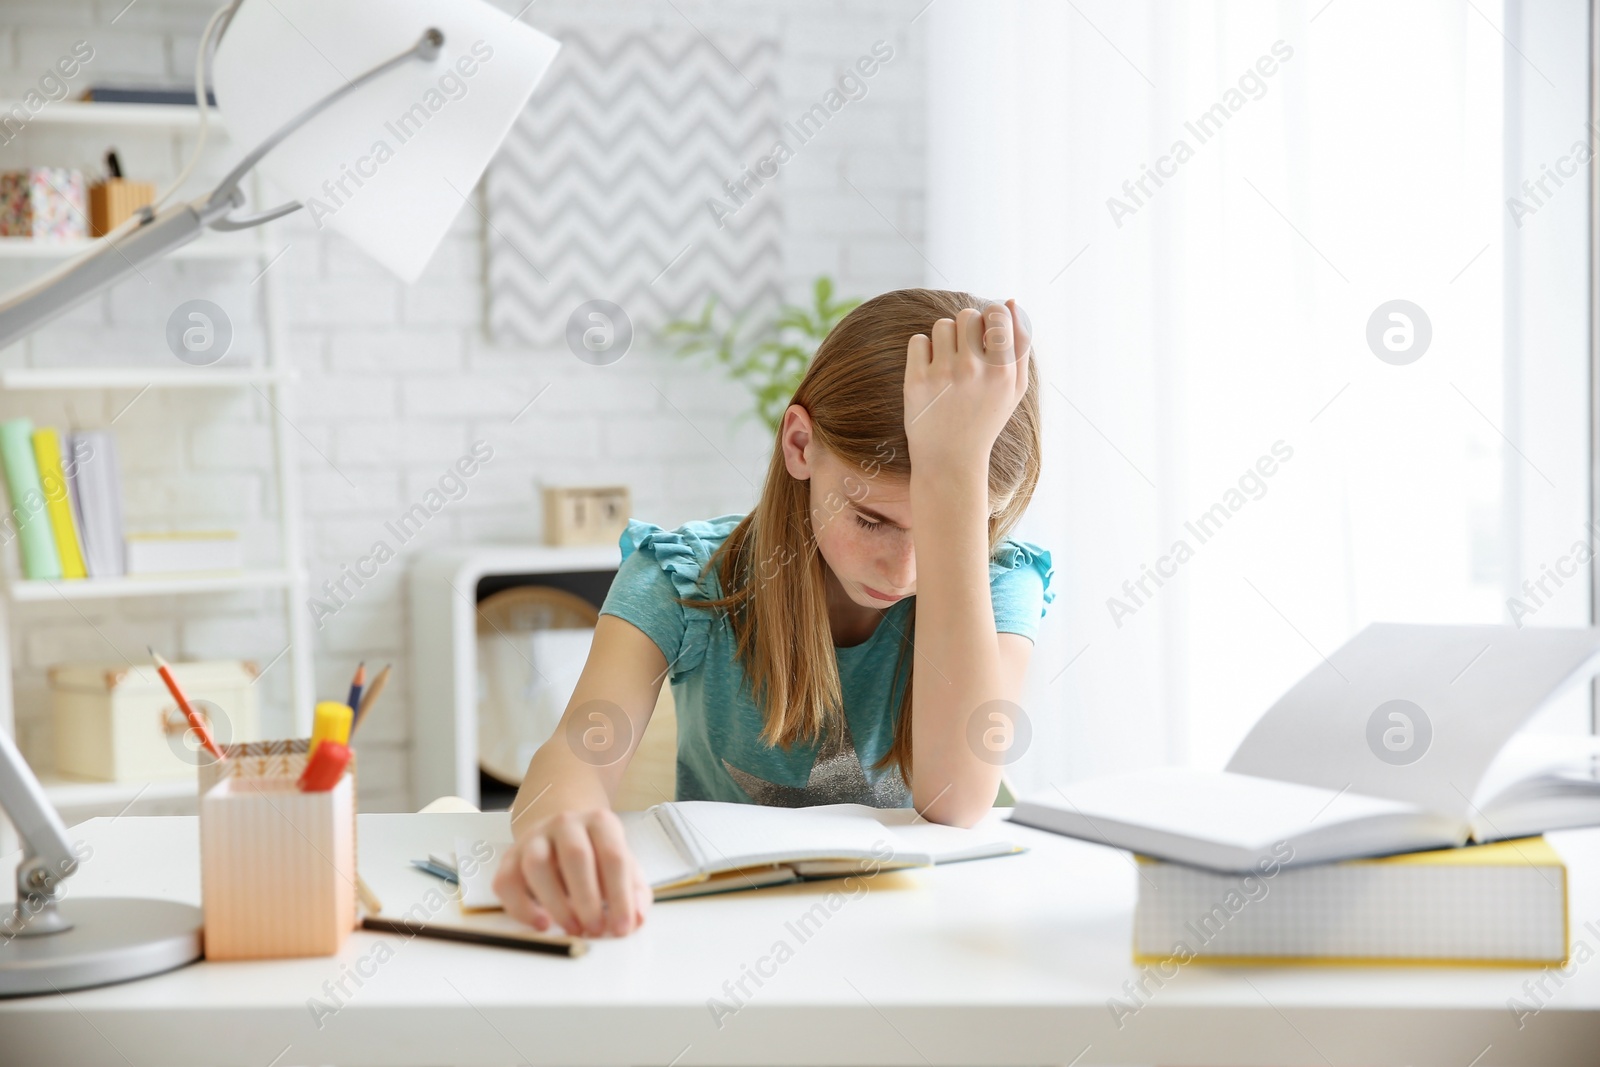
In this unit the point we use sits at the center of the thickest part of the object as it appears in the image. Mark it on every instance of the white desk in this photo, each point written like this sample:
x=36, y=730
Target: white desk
x=1004, y=961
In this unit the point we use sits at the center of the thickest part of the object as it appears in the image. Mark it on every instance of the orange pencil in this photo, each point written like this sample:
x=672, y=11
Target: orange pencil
x=196, y=723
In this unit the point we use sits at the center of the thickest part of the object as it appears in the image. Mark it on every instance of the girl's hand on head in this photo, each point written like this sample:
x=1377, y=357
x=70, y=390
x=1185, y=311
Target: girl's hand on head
x=574, y=869
x=962, y=384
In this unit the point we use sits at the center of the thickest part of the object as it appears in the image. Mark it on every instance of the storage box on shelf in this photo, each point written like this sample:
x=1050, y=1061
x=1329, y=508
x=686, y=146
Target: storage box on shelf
x=42, y=203
x=115, y=723
x=271, y=375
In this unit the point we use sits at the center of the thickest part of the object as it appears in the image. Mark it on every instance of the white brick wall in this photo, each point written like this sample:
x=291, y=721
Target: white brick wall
x=396, y=382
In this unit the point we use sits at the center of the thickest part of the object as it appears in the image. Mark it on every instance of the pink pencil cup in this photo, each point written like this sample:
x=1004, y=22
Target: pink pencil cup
x=277, y=866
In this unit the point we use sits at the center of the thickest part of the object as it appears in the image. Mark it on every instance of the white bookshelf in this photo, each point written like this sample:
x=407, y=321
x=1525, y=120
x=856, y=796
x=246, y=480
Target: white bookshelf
x=32, y=592
x=29, y=378
x=72, y=793
x=158, y=117
x=30, y=248
x=272, y=378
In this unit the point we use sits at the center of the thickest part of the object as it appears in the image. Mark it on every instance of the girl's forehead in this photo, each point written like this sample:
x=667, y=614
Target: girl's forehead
x=883, y=491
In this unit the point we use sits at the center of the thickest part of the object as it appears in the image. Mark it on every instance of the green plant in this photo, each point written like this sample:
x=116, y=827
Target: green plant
x=772, y=360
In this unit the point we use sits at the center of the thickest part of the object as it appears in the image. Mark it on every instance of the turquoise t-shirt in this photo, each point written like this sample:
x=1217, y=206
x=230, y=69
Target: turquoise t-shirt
x=720, y=752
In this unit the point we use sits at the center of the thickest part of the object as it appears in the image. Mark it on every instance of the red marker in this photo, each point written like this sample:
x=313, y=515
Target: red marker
x=325, y=767
x=196, y=723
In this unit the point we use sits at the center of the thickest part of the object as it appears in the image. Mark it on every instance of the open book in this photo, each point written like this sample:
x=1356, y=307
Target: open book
x=1402, y=740
x=695, y=847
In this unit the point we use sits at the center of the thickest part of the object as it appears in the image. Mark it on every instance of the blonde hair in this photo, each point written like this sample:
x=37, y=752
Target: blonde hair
x=771, y=575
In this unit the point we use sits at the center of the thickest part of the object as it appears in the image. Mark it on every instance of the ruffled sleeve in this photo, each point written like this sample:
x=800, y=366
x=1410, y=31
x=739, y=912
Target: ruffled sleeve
x=658, y=567
x=1019, y=586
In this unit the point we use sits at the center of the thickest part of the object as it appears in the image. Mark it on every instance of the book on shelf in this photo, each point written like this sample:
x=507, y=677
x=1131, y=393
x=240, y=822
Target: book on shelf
x=67, y=512
x=144, y=94
x=1501, y=904
x=28, y=520
x=58, y=500
x=96, y=484
x=1405, y=739
x=183, y=551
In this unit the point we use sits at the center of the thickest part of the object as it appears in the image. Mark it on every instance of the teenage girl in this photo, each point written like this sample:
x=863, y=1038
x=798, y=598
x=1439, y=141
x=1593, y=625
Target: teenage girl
x=836, y=643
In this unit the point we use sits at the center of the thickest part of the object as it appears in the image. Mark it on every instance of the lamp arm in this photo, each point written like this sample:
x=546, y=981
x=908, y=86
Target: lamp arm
x=426, y=49
x=231, y=222
x=28, y=308
x=47, y=856
x=109, y=261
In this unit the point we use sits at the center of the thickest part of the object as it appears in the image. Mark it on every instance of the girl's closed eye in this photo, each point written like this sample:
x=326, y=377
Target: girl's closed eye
x=867, y=524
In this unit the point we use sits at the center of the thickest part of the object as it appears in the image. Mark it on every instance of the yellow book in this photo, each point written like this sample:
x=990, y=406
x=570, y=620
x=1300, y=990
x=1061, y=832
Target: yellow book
x=58, y=502
x=1501, y=904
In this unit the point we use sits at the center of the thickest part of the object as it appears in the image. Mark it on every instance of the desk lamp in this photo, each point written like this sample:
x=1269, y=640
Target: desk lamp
x=395, y=108
x=379, y=116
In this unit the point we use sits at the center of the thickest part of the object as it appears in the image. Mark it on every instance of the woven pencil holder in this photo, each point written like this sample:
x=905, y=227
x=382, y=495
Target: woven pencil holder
x=277, y=866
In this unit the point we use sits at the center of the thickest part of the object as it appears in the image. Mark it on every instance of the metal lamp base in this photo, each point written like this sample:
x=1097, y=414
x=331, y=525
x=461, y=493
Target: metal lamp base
x=110, y=940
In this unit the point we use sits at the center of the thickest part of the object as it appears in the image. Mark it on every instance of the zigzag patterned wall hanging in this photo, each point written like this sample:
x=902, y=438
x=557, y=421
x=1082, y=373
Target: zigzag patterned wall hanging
x=604, y=188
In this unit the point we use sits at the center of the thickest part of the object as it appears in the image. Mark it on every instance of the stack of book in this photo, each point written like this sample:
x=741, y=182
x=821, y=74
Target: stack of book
x=66, y=512
x=66, y=501
x=1387, y=809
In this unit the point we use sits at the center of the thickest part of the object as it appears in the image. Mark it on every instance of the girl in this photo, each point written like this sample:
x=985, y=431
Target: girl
x=845, y=641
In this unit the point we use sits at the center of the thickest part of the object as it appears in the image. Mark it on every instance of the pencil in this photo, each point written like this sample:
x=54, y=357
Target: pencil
x=369, y=899
x=355, y=685
x=371, y=696
x=196, y=723
x=529, y=941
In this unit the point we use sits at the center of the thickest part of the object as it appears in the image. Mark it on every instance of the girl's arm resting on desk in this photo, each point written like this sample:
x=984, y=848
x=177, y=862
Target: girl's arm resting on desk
x=962, y=385
x=569, y=862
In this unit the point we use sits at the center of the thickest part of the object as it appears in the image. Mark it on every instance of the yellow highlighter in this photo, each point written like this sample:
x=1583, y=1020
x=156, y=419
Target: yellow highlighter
x=332, y=723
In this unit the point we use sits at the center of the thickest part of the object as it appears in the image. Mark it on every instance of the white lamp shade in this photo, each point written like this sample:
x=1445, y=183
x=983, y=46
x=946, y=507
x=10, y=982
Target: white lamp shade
x=390, y=165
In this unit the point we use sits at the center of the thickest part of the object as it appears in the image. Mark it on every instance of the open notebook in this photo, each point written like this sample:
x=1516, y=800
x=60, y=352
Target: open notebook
x=1402, y=740
x=696, y=847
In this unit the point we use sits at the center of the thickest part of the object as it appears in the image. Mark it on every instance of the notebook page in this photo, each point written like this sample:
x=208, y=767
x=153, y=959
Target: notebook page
x=1539, y=764
x=652, y=846
x=946, y=844
x=1413, y=713
x=475, y=879
x=651, y=842
x=730, y=836
x=1230, y=821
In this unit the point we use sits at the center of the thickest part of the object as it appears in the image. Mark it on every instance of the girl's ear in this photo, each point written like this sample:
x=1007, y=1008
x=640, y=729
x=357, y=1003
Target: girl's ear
x=794, y=437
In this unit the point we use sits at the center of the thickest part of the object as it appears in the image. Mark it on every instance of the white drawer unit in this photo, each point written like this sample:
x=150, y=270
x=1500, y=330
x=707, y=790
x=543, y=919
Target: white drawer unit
x=444, y=644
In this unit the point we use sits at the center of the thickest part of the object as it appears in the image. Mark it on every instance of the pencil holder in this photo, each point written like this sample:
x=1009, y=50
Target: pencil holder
x=111, y=202
x=277, y=866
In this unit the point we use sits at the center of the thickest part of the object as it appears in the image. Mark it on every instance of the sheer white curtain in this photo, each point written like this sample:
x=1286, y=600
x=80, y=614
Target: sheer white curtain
x=1202, y=206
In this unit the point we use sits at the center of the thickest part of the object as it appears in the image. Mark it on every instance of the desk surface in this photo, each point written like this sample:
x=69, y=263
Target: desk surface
x=1004, y=961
